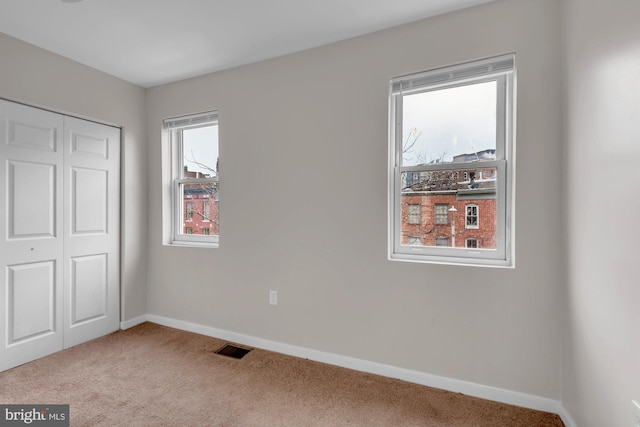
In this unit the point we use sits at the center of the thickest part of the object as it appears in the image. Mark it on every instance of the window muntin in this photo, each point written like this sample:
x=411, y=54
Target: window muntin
x=195, y=176
x=450, y=144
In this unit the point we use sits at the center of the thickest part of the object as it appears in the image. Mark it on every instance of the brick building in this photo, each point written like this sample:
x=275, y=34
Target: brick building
x=200, y=206
x=454, y=208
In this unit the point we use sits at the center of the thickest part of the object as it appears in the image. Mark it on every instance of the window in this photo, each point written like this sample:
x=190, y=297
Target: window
x=441, y=214
x=442, y=241
x=189, y=212
x=195, y=178
x=414, y=213
x=206, y=212
x=413, y=240
x=451, y=151
x=471, y=216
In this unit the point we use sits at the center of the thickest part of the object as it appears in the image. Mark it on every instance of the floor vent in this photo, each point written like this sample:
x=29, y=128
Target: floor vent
x=233, y=351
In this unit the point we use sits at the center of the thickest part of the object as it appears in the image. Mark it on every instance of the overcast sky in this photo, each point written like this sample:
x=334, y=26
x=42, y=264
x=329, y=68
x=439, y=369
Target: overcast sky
x=449, y=122
x=201, y=145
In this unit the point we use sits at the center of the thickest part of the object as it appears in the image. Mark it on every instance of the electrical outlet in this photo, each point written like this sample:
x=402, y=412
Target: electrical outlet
x=636, y=414
x=273, y=297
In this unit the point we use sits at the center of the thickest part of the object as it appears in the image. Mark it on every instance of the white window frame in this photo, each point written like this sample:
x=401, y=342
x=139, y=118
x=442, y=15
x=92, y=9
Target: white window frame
x=475, y=226
x=502, y=70
x=175, y=127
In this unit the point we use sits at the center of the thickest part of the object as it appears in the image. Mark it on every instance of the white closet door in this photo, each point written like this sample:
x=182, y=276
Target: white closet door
x=59, y=232
x=31, y=153
x=91, y=230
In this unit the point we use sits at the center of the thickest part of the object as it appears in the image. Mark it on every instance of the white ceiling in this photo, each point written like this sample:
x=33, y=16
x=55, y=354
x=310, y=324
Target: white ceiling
x=151, y=42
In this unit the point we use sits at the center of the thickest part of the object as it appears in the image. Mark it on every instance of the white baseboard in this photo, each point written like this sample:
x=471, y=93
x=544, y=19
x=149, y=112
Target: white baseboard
x=133, y=322
x=417, y=377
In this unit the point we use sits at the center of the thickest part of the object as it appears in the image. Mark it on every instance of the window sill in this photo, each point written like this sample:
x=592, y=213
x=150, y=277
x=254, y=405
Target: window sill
x=183, y=244
x=450, y=260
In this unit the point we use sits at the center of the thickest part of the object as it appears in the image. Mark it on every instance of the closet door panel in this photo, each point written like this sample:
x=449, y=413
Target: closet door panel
x=91, y=243
x=31, y=243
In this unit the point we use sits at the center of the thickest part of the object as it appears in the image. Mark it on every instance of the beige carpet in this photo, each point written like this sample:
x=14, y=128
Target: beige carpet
x=151, y=375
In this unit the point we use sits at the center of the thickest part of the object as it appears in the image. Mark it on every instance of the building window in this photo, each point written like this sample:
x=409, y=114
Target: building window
x=414, y=214
x=447, y=124
x=206, y=212
x=441, y=214
x=442, y=241
x=189, y=212
x=471, y=243
x=471, y=216
x=195, y=178
x=413, y=240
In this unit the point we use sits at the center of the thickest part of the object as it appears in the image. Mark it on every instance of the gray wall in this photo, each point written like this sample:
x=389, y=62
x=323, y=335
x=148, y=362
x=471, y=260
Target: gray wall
x=304, y=144
x=34, y=76
x=601, y=372
x=304, y=208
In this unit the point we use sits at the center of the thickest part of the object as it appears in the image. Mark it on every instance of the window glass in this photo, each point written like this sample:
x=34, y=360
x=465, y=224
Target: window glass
x=450, y=125
x=414, y=214
x=201, y=211
x=200, y=152
x=472, y=216
x=441, y=214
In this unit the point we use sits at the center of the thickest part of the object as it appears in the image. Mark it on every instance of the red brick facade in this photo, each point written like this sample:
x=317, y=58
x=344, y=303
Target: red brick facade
x=200, y=207
x=431, y=232
x=428, y=196
x=200, y=213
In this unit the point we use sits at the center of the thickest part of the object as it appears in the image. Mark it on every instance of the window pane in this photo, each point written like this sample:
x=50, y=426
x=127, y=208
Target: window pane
x=442, y=241
x=206, y=211
x=441, y=214
x=200, y=212
x=454, y=209
x=414, y=214
x=450, y=125
x=200, y=152
x=471, y=216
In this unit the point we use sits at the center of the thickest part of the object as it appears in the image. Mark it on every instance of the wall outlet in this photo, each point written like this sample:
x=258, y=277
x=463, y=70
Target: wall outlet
x=273, y=297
